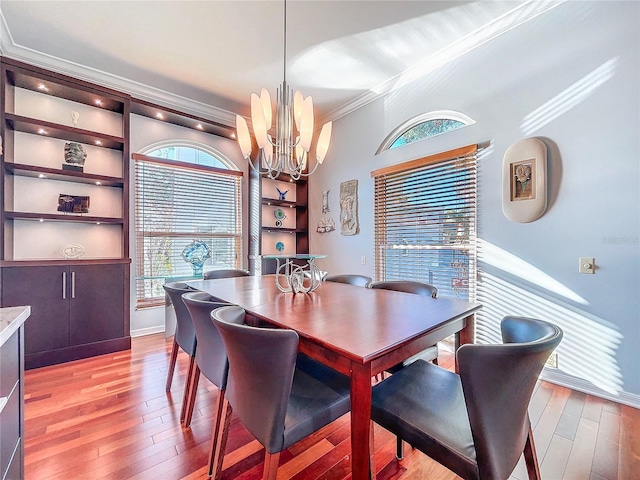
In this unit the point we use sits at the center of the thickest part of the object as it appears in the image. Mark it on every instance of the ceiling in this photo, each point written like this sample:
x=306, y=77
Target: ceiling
x=207, y=57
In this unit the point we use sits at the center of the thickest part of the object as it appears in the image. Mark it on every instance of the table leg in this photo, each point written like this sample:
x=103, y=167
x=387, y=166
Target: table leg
x=360, y=421
x=466, y=335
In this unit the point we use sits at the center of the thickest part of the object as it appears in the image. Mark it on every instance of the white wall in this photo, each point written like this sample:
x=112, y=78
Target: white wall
x=144, y=132
x=571, y=78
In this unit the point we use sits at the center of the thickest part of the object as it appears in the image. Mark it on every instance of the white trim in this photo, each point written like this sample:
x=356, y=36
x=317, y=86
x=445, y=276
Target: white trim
x=191, y=144
x=422, y=118
x=557, y=376
x=141, y=332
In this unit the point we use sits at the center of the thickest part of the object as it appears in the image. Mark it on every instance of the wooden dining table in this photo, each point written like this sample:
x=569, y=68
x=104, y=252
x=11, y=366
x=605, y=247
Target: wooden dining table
x=358, y=331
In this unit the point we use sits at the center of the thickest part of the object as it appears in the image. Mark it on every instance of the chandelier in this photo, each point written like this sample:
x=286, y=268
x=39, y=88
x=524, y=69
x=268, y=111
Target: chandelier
x=288, y=150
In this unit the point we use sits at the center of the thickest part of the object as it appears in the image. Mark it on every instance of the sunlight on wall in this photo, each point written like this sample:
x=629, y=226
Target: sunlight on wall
x=430, y=41
x=588, y=348
x=568, y=98
x=514, y=265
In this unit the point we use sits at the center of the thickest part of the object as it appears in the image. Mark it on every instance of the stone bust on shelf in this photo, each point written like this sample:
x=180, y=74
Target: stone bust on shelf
x=74, y=155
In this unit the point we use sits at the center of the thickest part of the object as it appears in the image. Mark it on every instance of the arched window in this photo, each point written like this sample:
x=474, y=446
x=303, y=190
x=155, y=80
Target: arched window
x=425, y=126
x=188, y=201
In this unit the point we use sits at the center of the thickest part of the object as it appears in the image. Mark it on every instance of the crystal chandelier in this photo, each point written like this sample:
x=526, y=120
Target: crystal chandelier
x=288, y=150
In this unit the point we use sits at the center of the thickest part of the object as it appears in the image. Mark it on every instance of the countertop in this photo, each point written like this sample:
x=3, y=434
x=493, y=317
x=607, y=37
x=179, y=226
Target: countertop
x=11, y=318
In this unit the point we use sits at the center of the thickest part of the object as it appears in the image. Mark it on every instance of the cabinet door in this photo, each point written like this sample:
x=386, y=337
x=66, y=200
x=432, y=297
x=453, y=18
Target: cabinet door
x=44, y=290
x=97, y=303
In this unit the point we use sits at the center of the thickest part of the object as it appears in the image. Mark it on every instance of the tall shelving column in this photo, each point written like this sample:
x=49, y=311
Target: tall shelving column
x=80, y=304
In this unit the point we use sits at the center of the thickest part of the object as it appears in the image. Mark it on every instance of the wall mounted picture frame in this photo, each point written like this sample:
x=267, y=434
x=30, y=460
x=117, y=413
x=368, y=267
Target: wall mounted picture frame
x=524, y=180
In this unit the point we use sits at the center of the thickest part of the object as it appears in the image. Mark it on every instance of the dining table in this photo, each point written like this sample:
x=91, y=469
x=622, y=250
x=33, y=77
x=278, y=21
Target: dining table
x=357, y=331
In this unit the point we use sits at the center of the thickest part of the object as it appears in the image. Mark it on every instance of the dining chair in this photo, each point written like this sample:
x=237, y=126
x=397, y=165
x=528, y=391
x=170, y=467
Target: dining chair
x=211, y=359
x=225, y=273
x=277, y=397
x=429, y=354
x=476, y=423
x=350, y=278
x=184, y=337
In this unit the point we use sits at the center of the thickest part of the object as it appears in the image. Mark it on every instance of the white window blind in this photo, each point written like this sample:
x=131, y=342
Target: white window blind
x=177, y=204
x=425, y=222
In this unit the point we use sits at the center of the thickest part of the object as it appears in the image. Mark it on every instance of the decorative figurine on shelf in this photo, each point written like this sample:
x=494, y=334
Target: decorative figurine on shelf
x=280, y=216
x=73, y=250
x=282, y=195
x=196, y=253
x=73, y=203
x=74, y=157
x=74, y=117
x=280, y=247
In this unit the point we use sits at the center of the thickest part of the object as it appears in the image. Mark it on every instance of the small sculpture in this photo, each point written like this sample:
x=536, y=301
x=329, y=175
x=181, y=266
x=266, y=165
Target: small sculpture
x=280, y=216
x=282, y=195
x=280, y=247
x=74, y=156
x=74, y=117
x=73, y=250
x=73, y=203
x=196, y=253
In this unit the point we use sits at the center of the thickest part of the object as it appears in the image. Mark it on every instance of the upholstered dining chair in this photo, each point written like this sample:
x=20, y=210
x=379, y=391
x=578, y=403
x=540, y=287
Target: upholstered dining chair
x=350, y=278
x=279, y=397
x=211, y=274
x=211, y=359
x=184, y=337
x=476, y=423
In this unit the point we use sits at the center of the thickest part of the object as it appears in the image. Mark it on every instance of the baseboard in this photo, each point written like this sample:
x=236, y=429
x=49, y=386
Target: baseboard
x=141, y=332
x=556, y=376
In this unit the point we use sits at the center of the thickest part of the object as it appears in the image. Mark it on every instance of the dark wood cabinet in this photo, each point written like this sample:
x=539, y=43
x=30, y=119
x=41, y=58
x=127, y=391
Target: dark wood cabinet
x=76, y=310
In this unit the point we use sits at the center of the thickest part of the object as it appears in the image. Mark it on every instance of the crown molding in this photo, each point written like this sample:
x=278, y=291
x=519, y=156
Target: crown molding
x=10, y=49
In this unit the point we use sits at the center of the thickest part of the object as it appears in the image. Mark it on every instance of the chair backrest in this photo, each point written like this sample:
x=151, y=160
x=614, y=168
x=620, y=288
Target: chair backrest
x=185, y=334
x=351, y=279
x=261, y=366
x=211, y=274
x=408, y=286
x=498, y=381
x=211, y=355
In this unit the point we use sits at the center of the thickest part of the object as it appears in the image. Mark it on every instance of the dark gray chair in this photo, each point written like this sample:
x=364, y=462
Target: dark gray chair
x=350, y=278
x=211, y=360
x=476, y=424
x=280, y=397
x=211, y=274
x=184, y=337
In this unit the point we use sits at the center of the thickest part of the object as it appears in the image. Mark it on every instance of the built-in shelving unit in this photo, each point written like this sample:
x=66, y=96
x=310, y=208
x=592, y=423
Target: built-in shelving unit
x=42, y=111
x=270, y=229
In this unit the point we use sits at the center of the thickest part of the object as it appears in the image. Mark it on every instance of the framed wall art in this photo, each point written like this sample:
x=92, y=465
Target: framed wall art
x=524, y=180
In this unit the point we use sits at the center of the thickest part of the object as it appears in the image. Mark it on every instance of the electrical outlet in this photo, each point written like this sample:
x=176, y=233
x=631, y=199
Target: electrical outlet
x=552, y=361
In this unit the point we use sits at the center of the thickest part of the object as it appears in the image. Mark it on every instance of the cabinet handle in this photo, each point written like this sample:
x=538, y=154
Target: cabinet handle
x=64, y=284
x=73, y=284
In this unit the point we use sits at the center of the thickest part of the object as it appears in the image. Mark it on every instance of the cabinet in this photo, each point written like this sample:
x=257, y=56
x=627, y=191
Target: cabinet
x=280, y=220
x=81, y=304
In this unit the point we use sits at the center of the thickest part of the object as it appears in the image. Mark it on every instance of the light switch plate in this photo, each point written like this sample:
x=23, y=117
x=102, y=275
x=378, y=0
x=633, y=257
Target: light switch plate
x=587, y=265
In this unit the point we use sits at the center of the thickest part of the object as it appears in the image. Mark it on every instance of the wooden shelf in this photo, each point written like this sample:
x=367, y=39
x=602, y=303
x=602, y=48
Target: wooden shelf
x=38, y=80
x=74, y=218
x=63, y=132
x=66, y=261
x=62, y=175
x=282, y=203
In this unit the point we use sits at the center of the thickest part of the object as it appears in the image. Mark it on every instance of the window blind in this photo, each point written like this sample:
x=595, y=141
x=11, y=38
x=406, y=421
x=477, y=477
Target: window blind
x=425, y=222
x=177, y=204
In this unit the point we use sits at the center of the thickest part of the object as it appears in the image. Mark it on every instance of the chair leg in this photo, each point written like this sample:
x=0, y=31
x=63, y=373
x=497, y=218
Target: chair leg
x=271, y=466
x=399, y=448
x=172, y=364
x=185, y=396
x=221, y=420
x=193, y=392
x=531, y=458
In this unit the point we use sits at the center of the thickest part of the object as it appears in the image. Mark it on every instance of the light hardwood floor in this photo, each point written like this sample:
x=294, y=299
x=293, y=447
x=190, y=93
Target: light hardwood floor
x=109, y=417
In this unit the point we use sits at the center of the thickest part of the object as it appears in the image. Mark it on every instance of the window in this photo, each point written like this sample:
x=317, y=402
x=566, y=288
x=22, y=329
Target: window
x=425, y=126
x=425, y=222
x=183, y=196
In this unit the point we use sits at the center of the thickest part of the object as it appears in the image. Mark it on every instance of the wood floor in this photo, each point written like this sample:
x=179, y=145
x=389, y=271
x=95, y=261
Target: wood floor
x=109, y=418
